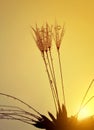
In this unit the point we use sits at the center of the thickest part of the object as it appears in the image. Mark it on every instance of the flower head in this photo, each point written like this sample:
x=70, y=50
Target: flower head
x=59, y=33
x=43, y=37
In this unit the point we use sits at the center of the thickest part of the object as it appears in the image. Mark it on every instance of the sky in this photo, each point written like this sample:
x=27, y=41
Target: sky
x=22, y=72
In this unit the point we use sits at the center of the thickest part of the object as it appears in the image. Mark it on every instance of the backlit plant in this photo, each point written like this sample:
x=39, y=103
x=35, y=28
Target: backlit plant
x=44, y=37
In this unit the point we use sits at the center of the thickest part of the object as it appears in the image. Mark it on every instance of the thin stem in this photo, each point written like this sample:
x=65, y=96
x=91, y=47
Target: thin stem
x=88, y=101
x=54, y=78
x=15, y=114
x=10, y=111
x=16, y=107
x=22, y=120
x=85, y=95
x=50, y=81
x=52, y=75
x=15, y=98
x=61, y=77
x=84, y=105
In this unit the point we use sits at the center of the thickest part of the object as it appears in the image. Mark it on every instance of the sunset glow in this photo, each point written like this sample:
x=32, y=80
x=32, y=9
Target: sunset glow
x=84, y=113
x=22, y=72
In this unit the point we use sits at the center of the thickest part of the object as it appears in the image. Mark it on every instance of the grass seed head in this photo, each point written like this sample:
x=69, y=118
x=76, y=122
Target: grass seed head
x=59, y=33
x=43, y=37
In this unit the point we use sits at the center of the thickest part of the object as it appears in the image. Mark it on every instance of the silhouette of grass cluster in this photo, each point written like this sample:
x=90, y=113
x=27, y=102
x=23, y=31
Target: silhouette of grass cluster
x=44, y=38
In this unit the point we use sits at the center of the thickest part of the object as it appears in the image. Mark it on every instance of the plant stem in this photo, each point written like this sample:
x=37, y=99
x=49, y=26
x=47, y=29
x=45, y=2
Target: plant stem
x=61, y=77
x=50, y=80
x=85, y=96
x=54, y=79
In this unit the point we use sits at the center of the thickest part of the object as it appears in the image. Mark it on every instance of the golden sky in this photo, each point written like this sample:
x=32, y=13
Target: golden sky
x=22, y=71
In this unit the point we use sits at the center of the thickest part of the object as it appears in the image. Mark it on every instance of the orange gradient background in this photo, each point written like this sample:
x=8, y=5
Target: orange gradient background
x=22, y=72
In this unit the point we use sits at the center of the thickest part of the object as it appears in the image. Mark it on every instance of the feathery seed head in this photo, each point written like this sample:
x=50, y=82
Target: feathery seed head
x=59, y=33
x=43, y=37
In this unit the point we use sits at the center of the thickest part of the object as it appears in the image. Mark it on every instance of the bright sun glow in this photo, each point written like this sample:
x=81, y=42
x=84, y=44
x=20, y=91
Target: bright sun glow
x=83, y=114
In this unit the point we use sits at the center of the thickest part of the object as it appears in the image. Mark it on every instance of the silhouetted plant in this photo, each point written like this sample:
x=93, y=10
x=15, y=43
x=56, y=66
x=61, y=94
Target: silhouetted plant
x=43, y=37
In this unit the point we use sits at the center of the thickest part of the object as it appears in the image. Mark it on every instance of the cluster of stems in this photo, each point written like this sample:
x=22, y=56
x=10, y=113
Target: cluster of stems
x=44, y=37
x=17, y=113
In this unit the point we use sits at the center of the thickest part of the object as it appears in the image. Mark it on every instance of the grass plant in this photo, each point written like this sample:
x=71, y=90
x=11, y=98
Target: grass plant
x=43, y=37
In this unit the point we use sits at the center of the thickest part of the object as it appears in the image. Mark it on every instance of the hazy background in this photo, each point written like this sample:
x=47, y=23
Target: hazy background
x=22, y=71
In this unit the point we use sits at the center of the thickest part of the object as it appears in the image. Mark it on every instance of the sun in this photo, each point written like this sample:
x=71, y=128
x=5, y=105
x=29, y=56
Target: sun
x=83, y=113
